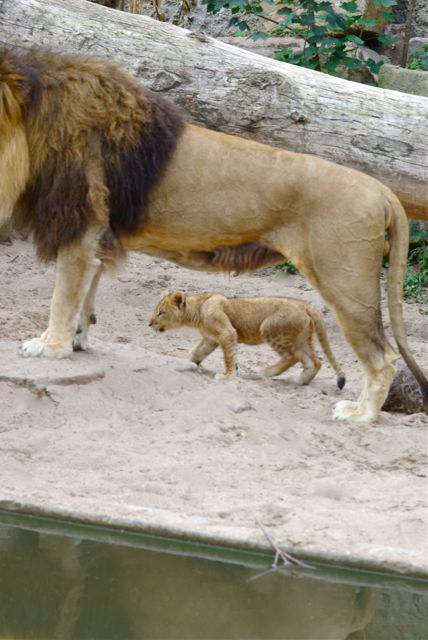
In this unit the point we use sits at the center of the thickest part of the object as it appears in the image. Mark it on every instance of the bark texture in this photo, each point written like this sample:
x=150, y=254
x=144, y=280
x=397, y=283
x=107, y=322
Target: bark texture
x=225, y=88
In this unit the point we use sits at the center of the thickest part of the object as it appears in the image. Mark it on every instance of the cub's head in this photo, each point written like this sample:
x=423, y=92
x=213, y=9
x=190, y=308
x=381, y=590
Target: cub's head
x=169, y=312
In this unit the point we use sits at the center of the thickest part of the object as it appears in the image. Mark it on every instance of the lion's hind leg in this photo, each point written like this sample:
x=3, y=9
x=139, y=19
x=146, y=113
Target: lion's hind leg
x=287, y=333
x=379, y=368
x=311, y=363
x=347, y=275
x=285, y=363
x=362, y=326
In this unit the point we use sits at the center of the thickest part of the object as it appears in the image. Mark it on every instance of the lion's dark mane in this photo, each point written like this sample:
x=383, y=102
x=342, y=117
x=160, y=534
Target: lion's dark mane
x=132, y=178
x=79, y=112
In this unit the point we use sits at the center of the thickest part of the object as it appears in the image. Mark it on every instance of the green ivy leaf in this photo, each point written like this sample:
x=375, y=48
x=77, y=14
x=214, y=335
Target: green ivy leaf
x=329, y=41
x=309, y=52
x=325, y=6
x=373, y=65
x=288, y=55
x=307, y=20
x=355, y=39
x=331, y=65
x=384, y=3
x=319, y=32
x=336, y=22
x=367, y=23
x=312, y=64
x=351, y=6
x=387, y=40
x=259, y=35
x=352, y=63
x=243, y=26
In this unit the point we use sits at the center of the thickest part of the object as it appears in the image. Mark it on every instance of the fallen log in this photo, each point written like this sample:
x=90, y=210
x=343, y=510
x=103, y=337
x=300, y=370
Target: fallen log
x=225, y=88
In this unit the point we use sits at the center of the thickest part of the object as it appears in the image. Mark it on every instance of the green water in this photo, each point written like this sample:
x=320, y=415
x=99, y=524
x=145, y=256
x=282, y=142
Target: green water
x=75, y=582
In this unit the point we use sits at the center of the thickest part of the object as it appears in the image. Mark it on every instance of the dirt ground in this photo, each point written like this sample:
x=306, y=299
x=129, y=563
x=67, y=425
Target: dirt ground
x=132, y=432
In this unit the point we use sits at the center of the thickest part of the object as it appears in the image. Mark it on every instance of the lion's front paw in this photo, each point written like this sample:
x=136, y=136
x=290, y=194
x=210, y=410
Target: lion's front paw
x=80, y=341
x=348, y=410
x=38, y=347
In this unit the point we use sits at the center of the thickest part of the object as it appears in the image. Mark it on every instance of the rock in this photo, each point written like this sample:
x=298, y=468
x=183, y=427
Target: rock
x=403, y=80
x=420, y=18
x=404, y=395
x=416, y=44
x=363, y=53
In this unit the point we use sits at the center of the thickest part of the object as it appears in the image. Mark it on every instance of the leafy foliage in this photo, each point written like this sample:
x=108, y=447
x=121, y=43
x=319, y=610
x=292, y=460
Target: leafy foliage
x=416, y=282
x=328, y=32
x=418, y=233
x=419, y=59
x=287, y=266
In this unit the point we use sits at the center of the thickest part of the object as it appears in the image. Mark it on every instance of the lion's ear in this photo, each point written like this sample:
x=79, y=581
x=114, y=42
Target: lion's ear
x=179, y=299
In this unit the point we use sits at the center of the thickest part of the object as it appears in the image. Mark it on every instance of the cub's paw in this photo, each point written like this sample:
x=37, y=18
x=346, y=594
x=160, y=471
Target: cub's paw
x=347, y=410
x=38, y=347
x=224, y=376
x=270, y=372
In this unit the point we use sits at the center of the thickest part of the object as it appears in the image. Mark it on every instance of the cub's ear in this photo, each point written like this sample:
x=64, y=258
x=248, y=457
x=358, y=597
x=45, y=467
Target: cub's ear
x=179, y=299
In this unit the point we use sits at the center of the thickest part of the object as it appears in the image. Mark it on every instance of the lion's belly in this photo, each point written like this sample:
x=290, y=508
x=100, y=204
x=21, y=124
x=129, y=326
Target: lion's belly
x=217, y=190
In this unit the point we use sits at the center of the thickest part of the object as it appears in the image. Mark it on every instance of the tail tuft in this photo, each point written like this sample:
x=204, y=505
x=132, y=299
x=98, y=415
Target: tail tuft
x=341, y=380
x=425, y=400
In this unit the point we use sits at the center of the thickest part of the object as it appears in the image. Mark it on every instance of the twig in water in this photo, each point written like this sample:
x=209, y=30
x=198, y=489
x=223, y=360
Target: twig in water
x=287, y=560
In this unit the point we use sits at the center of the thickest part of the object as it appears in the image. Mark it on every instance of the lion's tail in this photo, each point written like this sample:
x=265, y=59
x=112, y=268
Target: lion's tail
x=321, y=332
x=398, y=231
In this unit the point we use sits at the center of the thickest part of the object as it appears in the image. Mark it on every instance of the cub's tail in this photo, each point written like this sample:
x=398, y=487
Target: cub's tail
x=321, y=332
x=398, y=231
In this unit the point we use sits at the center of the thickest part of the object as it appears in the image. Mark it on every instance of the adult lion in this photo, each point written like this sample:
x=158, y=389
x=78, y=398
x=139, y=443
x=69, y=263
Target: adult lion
x=94, y=165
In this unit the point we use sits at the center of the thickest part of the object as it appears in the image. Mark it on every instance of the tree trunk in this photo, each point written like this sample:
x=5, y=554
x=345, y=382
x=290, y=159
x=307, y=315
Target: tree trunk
x=222, y=87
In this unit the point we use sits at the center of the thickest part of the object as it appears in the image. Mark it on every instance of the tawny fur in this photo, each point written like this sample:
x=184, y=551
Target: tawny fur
x=94, y=165
x=96, y=140
x=288, y=326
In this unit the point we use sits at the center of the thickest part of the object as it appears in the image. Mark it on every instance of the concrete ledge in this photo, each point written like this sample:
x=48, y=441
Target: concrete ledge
x=403, y=80
x=220, y=540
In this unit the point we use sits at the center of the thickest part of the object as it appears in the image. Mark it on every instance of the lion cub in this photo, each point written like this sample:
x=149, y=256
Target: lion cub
x=286, y=325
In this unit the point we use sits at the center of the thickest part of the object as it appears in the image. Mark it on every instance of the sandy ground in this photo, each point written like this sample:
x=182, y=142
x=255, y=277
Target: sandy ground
x=132, y=432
